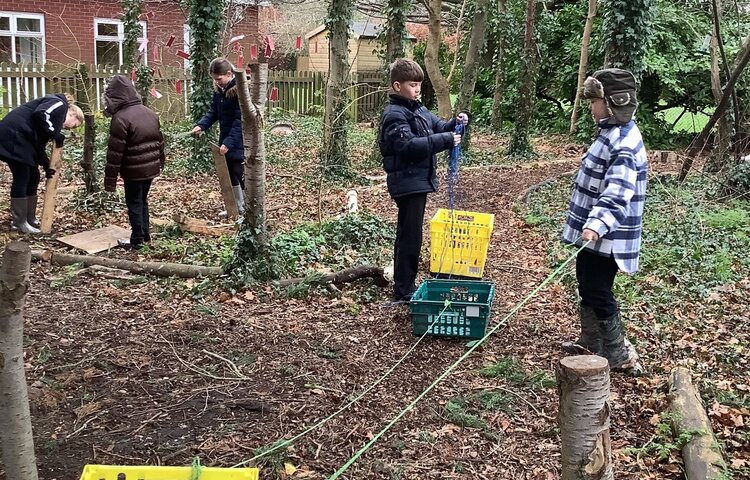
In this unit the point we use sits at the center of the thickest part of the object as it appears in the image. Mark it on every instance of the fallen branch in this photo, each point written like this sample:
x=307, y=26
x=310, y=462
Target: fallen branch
x=152, y=268
x=701, y=454
x=525, y=196
x=347, y=275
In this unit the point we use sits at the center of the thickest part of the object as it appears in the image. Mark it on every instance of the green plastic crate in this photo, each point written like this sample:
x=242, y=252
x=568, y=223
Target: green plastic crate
x=466, y=317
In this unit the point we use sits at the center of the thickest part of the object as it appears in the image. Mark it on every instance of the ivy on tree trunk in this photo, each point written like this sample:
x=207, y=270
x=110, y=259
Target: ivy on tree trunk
x=627, y=26
x=334, y=159
x=520, y=144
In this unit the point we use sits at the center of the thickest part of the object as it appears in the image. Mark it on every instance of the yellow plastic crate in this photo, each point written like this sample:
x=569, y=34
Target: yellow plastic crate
x=114, y=472
x=459, y=242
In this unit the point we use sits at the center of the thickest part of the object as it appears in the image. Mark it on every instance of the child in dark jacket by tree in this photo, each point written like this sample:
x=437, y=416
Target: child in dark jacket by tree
x=410, y=137
x=135, y=152
x=225, y=108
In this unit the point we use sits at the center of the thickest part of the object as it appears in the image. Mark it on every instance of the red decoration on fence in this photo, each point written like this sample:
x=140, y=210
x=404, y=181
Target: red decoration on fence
x=156, y=53
x=178, y=86
x=182, y=54
x=132, y=75
x=150, y=14
x=170, y=41
x=274, y=94
x=240, y=61
x=269, y=46
x=254, y=51
x=155, y=93
x=298, y=43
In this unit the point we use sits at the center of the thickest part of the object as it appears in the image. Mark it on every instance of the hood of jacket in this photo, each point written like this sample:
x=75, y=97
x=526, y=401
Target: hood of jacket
x=120, y=93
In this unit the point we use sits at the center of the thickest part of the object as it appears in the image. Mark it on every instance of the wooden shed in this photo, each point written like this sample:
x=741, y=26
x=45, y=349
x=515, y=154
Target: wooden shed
x=363, y=45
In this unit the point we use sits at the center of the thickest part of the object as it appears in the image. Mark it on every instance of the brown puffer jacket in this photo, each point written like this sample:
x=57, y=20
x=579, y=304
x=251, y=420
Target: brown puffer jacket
x=136, y=146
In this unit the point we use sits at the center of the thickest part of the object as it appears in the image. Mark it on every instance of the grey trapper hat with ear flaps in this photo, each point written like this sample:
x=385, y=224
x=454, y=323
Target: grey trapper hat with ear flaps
x=617, y=87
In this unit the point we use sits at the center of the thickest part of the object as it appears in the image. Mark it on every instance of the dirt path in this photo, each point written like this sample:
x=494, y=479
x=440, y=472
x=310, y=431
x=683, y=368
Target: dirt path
x=115, y=365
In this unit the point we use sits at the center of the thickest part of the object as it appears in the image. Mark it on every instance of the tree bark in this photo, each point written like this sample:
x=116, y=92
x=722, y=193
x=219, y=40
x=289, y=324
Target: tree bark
x=15, y=416
x=699, y=143
x=335, y=160
x=701, y=455
x=471, y=63
x=520, y=143
x=89, y=147
x=50, y=191
x=347, y=275
x=158, y=269
x=583, y=64
x=583, y=385
x=432, y=59
x=255, y=148
x=722, y=141
x=499, y=92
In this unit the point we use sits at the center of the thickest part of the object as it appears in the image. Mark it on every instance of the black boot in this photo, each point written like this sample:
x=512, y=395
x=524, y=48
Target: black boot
x=19, y=210
x=31, y=214
x=616, y=348
x=590, y=341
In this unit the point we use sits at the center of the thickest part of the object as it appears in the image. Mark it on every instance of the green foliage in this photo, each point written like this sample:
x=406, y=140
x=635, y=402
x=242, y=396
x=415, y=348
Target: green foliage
x=737, y=180
x=132, y=30
x=627, y=29
x=347, y=241
x=511, y=370
x=456, y=411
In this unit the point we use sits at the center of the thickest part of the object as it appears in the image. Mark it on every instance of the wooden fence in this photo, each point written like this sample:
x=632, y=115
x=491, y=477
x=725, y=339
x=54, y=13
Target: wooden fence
x=300, y=92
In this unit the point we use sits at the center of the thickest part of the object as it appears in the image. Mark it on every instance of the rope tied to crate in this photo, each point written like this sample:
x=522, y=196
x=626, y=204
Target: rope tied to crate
x=454, y=157
x=197, y=469
x=455, y=364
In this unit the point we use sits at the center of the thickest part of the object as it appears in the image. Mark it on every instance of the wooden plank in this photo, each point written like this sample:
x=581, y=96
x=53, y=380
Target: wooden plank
x=48, y=210
x=95, y=241
x=225, y=183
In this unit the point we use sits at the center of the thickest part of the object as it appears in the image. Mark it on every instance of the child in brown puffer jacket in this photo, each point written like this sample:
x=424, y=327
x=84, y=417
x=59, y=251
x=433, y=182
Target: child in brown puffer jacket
x=135, y=151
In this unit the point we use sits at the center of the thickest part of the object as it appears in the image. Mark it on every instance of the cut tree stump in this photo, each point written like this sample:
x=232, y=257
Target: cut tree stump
x=15, y=416
x=583, y=385
x=702, y=454
x=152, y=268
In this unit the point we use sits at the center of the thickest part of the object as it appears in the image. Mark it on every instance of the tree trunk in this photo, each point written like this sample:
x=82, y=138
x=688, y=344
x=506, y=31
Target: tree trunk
x=334, y=156
x=471, y=63
x=432, y=59
x=583, y=385
x=255, y=149
x=719, y=156
x=701, y=455
x=89, y=147
x=158, y=269
x=497, y=96
x=520, y=143
x=15, y=416
x=699, y=143
x=583, y=64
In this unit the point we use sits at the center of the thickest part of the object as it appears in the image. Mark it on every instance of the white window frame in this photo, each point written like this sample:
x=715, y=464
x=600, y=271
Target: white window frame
x=14, y=33
x=120, y=38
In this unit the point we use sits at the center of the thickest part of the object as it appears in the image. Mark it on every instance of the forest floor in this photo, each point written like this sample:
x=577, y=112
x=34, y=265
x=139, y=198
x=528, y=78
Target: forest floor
x=144, y=370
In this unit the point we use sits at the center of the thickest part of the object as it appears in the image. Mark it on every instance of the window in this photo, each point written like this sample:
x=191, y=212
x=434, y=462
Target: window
x=186, y=44
x=21, y=37
x=108, y=37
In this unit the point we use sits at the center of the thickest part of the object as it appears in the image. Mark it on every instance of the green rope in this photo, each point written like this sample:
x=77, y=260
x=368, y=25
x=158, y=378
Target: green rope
x=454, y=365
x=352, y=402
x=195, y=473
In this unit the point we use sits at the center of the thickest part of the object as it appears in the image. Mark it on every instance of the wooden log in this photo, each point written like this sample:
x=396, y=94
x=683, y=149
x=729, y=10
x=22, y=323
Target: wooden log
x=159, y=269
x=15, y=416
x=225, y=183
x=347, y=275
x=48, y=210
x=583, y=385
x=701, y=454
x=201, y=227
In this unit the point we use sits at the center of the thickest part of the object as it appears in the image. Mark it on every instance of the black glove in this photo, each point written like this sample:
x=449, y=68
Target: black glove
x=59, y=140
x=49, y=172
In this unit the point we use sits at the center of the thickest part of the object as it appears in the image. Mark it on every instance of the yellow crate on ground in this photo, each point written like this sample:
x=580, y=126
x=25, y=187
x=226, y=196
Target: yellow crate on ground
x=459, y=242
x=121, y=472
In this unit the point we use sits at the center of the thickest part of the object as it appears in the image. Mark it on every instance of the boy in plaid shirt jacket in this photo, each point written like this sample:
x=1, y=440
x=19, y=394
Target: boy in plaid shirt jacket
x=606, y=209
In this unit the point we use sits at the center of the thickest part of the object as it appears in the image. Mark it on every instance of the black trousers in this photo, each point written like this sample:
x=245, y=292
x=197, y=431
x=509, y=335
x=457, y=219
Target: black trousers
x=596, y=275
x=25, y=180
x=236, y=172
x=408, y=243
x=136, y=198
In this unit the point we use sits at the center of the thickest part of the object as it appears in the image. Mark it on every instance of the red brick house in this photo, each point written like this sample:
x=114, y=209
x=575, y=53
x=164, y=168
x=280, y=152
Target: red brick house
x=91, y=31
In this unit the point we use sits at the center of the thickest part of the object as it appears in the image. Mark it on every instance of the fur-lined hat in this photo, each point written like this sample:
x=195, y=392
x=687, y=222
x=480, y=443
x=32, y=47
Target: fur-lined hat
x=618, y=88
